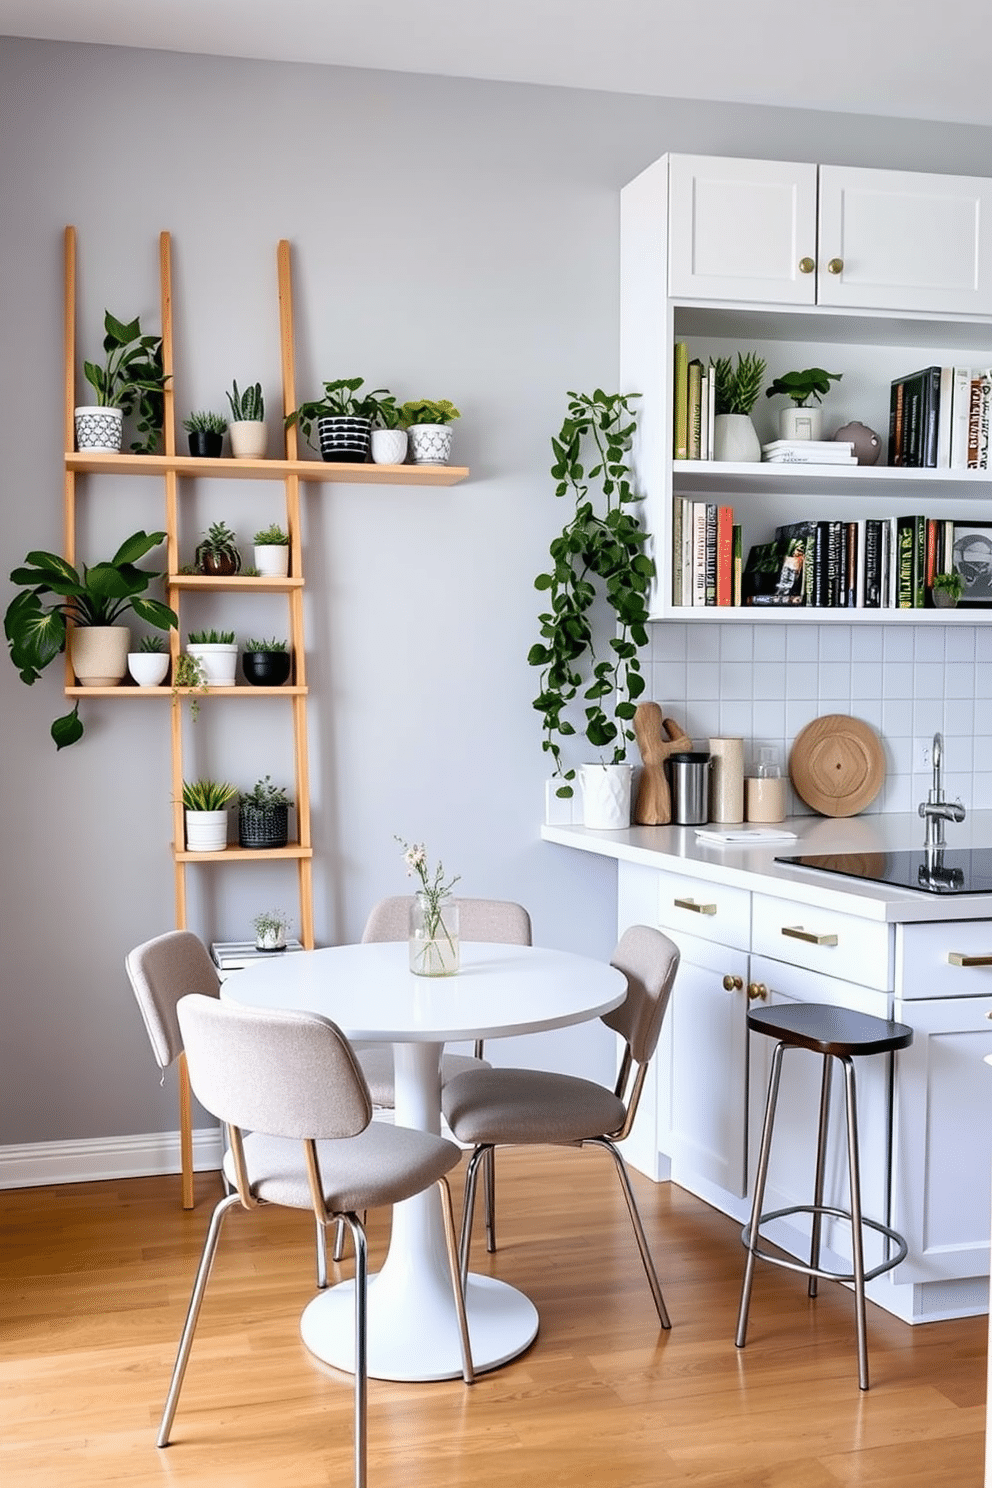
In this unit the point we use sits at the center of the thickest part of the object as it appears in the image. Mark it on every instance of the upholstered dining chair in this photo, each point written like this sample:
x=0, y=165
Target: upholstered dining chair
x=299, y=1117
x=486, y=1108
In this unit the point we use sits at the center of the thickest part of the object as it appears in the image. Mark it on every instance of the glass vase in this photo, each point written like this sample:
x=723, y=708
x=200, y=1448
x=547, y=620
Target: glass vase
x=433, y=935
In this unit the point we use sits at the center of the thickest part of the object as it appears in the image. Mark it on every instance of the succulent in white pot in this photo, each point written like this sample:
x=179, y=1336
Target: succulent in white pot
x=246, y=429
x=150, y=663
x=217, y=653
x=205, y=804
x=271, y=552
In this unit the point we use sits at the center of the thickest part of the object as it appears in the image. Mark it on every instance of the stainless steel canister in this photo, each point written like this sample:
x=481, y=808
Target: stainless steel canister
x=690, y=788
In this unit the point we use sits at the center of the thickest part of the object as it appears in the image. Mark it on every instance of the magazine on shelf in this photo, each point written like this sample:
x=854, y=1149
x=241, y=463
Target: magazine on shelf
x=232, y=955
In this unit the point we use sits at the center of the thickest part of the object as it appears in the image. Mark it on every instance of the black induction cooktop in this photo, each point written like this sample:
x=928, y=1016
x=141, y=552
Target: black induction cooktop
x=936, y=871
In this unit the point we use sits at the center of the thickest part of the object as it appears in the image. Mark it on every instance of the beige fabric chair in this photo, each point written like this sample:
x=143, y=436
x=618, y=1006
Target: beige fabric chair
x=299, y=1114
x=494, y=1107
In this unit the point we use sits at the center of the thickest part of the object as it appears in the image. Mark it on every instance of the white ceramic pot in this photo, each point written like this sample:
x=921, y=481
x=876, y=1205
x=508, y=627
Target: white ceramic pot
x=271, y=940
x=148, y=668
x=219, y=662
x=430, y=444
x=800, y=423
x=99, y=429
x=272, y=560
x=206, y=831
x=735, y=438
x=606, y=796
x=248, y=439
x=99, y=654
x=389, y=446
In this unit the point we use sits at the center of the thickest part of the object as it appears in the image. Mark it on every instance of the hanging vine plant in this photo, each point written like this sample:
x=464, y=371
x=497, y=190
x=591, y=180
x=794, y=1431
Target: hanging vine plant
x=599, y=556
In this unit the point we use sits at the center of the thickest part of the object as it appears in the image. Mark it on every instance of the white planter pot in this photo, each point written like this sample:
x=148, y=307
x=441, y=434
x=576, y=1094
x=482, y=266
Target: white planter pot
x=430, y=444
x=99, y=429
x=272, y=560
x=248, y=439
x=606, y=796
x=219, y=662
x=148, y=668
x=271, y=940
x=389, y=446
x=735, y=438
x=800, y=423
x=206, y=831
x=99, y=654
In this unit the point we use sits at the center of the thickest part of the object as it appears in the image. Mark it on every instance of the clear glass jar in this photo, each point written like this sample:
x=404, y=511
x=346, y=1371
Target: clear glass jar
x=433, y=935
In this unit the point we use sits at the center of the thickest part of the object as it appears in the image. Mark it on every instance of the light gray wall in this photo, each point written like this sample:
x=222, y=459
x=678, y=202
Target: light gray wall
x=451, y=239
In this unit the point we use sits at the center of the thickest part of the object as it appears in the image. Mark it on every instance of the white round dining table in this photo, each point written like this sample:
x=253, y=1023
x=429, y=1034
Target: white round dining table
x=371, y=994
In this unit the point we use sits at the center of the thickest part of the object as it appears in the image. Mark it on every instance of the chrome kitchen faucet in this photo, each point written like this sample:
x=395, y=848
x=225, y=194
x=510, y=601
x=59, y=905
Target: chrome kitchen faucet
x=935, y=810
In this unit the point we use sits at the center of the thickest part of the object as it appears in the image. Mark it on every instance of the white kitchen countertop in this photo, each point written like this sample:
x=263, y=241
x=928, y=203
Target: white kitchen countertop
x=678, y=850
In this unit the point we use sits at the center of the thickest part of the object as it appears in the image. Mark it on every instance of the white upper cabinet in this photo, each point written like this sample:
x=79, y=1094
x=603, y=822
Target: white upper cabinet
x=782, y=233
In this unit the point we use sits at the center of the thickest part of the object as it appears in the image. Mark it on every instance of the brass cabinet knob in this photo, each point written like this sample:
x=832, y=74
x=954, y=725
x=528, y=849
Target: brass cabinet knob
x=756, y=991
x=732, y=983
x=806, y=266
x=836, y=266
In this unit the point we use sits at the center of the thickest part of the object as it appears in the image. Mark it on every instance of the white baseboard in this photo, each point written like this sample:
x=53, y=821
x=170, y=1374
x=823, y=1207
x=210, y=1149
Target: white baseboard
x=36, y=1164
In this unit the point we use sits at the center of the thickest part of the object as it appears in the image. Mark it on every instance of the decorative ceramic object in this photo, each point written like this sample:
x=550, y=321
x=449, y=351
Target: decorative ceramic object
x=266, y=668
x=219, y=662
x=205, y=444
x=389, y=446
x=800, y=423
x=148, y=668
x=206, y=831
x=867, y=445
x=263, y=826
x=99, y=654
x=943, y=601
x=248, y=439
x=344, y=440
x=735, y=438
x=433, y=935
x=727, y=780
x=606, y=796
x=272, y=560
x=430, y=444
x=99, y=429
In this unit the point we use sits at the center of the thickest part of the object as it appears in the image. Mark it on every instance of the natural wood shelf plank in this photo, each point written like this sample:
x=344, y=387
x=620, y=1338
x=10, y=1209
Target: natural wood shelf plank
x=245, y=583
x=286, y=690
x=275, y=470
x=232, y=854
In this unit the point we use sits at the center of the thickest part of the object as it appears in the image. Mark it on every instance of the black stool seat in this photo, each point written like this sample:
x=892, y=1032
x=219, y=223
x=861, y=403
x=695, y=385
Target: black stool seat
x=830, y=1030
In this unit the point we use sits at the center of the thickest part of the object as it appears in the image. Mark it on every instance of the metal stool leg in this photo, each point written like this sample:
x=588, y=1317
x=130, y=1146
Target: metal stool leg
x=857, y=1233
x=821, y=1171
x=759, y=1192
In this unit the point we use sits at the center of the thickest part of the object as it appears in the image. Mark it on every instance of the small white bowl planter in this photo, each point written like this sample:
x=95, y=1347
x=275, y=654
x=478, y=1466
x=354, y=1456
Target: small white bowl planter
x=148, y=668
x=272, y=560
x=218, y=661
x=389, y=446
x=206, y=831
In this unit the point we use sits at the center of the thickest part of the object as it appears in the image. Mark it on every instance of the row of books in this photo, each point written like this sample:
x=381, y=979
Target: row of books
x=809, y=452
x=695, y=406
x=939, y=419
x=706, y=554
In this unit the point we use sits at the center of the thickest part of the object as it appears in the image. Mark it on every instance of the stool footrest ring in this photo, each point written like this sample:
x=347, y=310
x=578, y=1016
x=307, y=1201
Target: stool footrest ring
x=803, y=1267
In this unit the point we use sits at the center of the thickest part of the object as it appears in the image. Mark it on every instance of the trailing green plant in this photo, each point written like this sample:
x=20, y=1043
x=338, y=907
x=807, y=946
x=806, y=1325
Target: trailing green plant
x=204, y=422
x=802, y=386
x=264, y=794
x=428, y=411
x=949, y=583
x=599, y=556
x=210, y=638
x=737, y=388
x=152, y=643
x=247, y=407
x=189, y=675
x=132, y=374
x=207, y=795
x=342, y=400
x=98, y=595
x=219, y=544
x=272, y=537
x=272, y=645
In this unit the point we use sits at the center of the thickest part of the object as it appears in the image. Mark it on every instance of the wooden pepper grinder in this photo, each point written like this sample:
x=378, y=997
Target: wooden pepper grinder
x=657, y=737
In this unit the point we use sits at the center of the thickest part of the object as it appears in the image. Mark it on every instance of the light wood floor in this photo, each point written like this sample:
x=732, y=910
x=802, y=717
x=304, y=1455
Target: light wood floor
x=96, y=1280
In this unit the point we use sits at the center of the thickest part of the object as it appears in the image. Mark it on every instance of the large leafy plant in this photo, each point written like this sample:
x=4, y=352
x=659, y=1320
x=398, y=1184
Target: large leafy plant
x=599, y=556
x=132, y=373
x=35, y=624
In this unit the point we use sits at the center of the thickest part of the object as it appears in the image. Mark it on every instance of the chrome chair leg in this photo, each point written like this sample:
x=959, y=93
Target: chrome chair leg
x=457, y=1284
x=490, y=1177
x=635, y=1219
x=193, y=1312
x=468, y=1209
x=759, y=1193
x=857, y=1239
x=322, y=1255
x=338, y=1254
x=821, y=1172
x=361, y=1344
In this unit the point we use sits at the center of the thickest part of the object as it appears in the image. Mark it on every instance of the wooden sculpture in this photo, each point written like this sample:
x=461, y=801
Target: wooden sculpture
x=657, y=737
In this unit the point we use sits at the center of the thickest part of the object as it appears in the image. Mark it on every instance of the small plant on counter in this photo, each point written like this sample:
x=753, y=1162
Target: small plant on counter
x=271, y=927
x=802, y=386
x=218, y=553
x=210, y=638
x=207, y=795
x=247, y=407
x=737, y=388
x=205, y=423
x=152, y=643
x=132, y=373
x=266, y=645
x=341, y=400
x=272, y=537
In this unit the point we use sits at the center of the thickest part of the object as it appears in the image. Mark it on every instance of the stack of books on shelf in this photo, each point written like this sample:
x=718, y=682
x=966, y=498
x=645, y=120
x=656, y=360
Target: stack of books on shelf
x=808, y=452
x=695, y=406
x=939, y=419
x=706, y=554
x=232, y=955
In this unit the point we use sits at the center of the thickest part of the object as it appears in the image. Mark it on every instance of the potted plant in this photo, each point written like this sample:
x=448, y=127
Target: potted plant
x=149, y=664
x=344, y=419
x=205, y=803
x=86, y=606
x=598, y=557
x=266, y=663
x=217, y=653
x=131, y=374
x=272, y=552
x=801, y=421
x=189, y=676
x=271, y=928
x=263, y=815
x=217, y=554
x=946, y=589
x=429, y=423
x=247, y=427
x=737, y=389
x=206, y=434
x=389, y=435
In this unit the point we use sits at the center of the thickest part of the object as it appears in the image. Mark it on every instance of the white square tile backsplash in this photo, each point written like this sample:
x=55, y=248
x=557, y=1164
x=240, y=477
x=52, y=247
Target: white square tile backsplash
x=766, y=682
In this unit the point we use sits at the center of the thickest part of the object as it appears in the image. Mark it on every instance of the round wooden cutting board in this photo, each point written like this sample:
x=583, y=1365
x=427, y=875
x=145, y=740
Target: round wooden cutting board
x=837, y=765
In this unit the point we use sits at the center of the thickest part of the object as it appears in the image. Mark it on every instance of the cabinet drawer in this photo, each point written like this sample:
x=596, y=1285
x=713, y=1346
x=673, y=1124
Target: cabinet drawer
x=841, y=945
x=711, y=911
x=932, y=960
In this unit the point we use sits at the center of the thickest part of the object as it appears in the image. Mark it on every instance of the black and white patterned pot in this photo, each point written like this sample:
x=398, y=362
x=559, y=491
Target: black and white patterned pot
x=344, y=439
x=99, y=429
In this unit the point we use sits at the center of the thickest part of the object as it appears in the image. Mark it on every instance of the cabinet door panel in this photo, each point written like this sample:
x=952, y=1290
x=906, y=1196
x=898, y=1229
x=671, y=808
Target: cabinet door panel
x=739, y=228
x=924, y=964
x=907, y=241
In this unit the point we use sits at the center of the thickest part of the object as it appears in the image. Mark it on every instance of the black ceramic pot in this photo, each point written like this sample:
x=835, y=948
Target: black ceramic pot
x=205, y=444
x=263, y=826
x=266, y=668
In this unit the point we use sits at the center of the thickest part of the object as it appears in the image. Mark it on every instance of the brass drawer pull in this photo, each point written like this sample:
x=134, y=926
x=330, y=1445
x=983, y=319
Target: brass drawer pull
x=732, y=983
x=796, y=932
x=756, y=991
x=806, y=266
x=957, y=958
x=836, y=266
x=696, y=908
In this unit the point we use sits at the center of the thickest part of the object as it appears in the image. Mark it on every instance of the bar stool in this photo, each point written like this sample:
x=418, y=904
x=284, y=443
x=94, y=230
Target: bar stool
x=836, y=1033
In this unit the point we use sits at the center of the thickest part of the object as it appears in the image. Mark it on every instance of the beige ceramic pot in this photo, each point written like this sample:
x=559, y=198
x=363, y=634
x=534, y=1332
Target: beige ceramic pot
x=99, y=654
